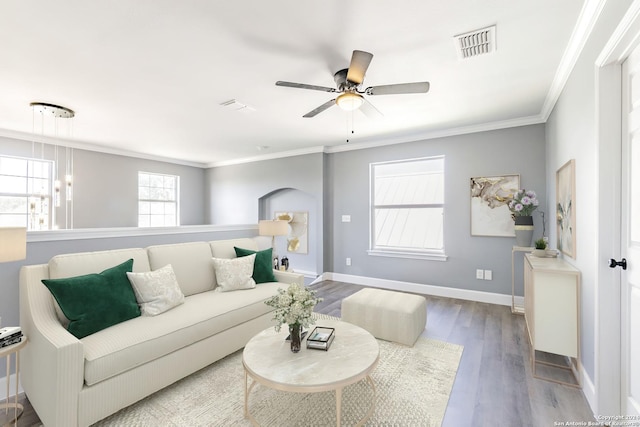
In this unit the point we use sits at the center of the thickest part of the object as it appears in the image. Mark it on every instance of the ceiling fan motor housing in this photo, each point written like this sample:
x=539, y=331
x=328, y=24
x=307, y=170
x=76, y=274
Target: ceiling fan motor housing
x=342, y=84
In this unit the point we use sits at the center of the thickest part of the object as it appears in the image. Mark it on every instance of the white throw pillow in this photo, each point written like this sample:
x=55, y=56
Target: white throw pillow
x=234, y=273
x=156, y=291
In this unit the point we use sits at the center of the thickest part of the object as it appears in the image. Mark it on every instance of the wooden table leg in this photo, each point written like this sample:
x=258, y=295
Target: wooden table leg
x=338, y=406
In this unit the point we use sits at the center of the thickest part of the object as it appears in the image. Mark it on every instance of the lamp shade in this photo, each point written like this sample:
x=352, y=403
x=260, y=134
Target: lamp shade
x=273, y=228
x=13, y=243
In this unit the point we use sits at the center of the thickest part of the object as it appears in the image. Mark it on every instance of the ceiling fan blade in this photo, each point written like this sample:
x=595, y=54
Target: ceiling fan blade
x=418, y=87
x=320, y=109
x=360, y=61
x=305, y=86
x=370, y=111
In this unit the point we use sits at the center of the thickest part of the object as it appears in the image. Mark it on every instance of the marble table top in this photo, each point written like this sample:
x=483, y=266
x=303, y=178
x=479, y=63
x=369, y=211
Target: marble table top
x=354, y=353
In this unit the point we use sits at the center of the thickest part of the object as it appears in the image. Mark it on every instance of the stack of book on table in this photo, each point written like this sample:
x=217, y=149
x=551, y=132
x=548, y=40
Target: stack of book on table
x=321, y=338
x=10, y=335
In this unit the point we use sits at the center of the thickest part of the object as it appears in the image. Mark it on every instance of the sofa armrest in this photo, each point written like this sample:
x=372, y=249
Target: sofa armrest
x=288, y=277
x=52, y=362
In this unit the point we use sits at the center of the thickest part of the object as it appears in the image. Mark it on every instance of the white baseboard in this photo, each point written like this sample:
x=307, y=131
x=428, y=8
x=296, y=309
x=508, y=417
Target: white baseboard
x=12, y=387
x=589, y=390
x=418, y=288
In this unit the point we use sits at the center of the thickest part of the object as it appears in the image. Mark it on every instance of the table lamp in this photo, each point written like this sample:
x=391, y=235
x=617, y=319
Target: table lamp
x=273, y=228
x=13, y=243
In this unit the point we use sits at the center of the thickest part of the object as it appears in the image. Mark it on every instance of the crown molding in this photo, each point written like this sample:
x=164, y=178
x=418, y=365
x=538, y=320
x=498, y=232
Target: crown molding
x=61, y=142
x=587, y=19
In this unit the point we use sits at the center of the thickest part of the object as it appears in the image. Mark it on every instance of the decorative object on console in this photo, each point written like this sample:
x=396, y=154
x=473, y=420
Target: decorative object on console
x=540, y=248
x=522, y=205
x=566, y=208
x=273, y=228
x=294, y=306
x=297, y=239
x=490, y=196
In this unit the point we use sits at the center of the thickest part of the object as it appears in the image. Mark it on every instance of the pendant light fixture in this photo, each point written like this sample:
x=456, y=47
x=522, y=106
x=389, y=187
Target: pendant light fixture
x=58, y=114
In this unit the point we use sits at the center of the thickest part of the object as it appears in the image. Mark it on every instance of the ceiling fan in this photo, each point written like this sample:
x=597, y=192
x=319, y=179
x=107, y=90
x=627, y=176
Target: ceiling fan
x=349, y=83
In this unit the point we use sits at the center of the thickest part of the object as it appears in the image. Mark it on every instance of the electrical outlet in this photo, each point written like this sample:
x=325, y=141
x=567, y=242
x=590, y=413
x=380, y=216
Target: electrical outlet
x=479, y=274
x=348, y=261
x=346, y=218
x=488, y=275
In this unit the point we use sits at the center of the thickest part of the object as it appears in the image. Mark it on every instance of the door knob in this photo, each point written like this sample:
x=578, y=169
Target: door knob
x=613, y=263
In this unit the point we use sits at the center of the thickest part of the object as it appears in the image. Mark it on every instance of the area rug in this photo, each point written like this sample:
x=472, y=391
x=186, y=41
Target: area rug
x=413, y=387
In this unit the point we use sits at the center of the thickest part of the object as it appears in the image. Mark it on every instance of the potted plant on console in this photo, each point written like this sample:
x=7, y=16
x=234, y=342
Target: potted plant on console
x=541, y=248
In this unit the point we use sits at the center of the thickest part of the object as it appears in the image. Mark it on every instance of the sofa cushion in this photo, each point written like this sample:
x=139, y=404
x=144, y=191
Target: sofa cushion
x=140, y=340
x=156, y=291
x=69, y=265
x=93, y=302
x=235, y=273
x=77, y=264
x=262, y=267
x=224, y=248
x=191, y=263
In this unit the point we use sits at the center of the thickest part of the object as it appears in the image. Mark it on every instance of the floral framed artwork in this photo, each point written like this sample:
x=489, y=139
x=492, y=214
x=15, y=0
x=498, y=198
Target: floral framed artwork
x=566, y=208
x=298, y=238
x=490, y=197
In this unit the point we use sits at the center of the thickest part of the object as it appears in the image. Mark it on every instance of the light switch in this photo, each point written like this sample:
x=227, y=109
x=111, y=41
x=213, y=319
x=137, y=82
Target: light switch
x=346, y=218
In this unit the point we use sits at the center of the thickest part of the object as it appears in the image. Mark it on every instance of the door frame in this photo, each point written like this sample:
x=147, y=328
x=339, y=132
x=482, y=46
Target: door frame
x=608, y=80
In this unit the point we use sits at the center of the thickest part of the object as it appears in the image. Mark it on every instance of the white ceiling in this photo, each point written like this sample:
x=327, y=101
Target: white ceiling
x=148, y=76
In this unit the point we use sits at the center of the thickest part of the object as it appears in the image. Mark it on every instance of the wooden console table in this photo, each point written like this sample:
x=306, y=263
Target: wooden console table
x=552, y=312
x=516, y=309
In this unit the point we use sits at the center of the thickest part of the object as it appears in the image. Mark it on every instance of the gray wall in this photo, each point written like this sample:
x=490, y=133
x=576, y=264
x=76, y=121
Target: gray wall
x=235, y=191
x=105, y=190
x=341, y=182
x=509, y=151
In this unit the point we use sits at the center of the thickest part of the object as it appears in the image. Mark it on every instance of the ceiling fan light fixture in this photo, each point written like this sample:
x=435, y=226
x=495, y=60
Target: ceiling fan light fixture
x=350, y=101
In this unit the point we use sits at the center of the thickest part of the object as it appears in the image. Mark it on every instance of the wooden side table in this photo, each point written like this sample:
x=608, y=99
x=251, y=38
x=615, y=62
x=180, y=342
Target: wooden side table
x=11, y=411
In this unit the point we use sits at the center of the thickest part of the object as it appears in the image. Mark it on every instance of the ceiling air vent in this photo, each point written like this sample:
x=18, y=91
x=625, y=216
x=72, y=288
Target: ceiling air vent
x=476, y=43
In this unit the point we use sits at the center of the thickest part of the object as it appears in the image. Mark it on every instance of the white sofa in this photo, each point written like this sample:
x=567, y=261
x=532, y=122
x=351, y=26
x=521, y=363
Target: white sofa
x=77, y=382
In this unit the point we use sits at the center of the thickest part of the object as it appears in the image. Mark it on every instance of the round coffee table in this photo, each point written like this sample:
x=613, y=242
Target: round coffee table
x=268, y=360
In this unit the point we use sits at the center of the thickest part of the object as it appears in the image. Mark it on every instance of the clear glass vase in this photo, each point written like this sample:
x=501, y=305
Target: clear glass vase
x=294, y=333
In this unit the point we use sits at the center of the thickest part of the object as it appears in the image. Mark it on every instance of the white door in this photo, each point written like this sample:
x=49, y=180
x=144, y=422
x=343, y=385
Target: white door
x=630, y=237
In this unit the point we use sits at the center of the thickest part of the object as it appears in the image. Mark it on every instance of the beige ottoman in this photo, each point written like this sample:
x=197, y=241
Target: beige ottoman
x=388, y=315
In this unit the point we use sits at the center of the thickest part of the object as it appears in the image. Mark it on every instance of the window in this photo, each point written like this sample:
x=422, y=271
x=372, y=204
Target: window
x=25, y=193
x=157, y=200
x=407, y=209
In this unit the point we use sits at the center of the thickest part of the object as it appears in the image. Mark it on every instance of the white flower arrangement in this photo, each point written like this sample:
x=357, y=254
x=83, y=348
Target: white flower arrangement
x=294, y=306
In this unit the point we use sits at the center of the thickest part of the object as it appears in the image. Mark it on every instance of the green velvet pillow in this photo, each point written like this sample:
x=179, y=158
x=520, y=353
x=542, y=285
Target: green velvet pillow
x=262, y=267
x=95, y=301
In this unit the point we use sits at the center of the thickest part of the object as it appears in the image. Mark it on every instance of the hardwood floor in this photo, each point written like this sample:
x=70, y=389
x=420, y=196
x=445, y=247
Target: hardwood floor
x=494, y=385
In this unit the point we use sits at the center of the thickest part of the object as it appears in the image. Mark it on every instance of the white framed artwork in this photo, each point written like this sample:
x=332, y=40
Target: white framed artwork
x=490, y=197
x=298, y=238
